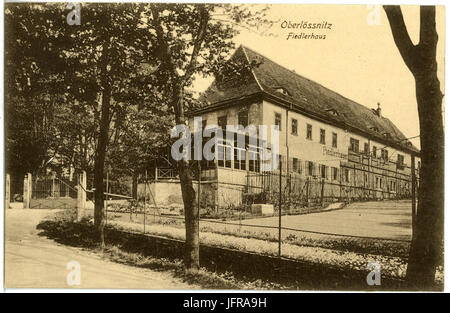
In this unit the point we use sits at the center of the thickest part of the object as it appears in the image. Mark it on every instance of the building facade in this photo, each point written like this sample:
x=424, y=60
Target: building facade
x=330, y=147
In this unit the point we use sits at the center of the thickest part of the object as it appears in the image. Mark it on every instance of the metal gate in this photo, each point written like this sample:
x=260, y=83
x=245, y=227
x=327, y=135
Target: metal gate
x=53, y=192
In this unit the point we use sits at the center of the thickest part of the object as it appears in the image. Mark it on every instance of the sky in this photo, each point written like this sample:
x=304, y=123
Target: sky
x=357, y=59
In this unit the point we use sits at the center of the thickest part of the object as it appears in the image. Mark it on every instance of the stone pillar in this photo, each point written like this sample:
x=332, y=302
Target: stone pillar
x=53, y=185
x=7, y=191
x=81, y=195
x=27, y=185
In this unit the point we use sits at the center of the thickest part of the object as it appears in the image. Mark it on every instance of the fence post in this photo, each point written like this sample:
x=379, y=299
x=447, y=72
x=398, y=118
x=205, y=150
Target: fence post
x=27, y=191
x=307, y=189
x=7, y=191
x=321, y=191
x=30, y=189
x=81, y=195
x=53, y=184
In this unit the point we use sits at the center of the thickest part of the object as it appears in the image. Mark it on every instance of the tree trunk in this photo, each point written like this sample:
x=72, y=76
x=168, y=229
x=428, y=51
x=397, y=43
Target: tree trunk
x=426, y=247
x=134, y=186
x=99, y=166
x=191, y=214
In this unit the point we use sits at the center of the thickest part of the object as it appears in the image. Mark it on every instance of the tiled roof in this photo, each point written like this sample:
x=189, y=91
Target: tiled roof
x=305, y=95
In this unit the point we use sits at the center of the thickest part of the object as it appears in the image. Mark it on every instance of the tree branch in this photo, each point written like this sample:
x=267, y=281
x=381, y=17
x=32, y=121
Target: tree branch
x=401, y=38
x=204, y=20
x=163, y=50
x=428, y=34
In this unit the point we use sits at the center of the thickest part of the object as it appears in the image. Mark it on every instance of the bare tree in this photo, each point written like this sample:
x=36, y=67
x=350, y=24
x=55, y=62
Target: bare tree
x=427, y=241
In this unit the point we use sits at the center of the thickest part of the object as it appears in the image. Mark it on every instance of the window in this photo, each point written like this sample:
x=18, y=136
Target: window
x=354, y=145
x=334, y=142
x=323, y=171
x=296, y=165
x=239, y=157
x=347, y=175
x=366, y=148
x=222, y=122
x=400, y=161
x=299, y=166
x=322, y=136
x=374, y=151
x=333, y=112
x=253, y=159
x=310, y=166
x=223, y=155
x=282, y=90
x=309, y=131
x=278, y=120
x=294, y=128
x=334, y=173
x=243, y=117
x=384, y=154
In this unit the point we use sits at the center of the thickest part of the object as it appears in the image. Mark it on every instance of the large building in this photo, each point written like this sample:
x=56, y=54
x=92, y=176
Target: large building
x=330, y=146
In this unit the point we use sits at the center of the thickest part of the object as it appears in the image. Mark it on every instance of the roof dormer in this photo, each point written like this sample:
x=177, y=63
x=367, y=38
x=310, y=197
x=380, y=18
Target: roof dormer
x=332, y=111
x=282, y=90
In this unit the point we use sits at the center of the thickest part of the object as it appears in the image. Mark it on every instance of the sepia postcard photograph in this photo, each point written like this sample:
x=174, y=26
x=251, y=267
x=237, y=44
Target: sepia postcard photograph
x=214, y=146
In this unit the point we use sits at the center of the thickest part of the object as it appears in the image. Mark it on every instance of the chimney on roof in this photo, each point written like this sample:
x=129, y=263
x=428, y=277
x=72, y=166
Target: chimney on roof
x=378, y=109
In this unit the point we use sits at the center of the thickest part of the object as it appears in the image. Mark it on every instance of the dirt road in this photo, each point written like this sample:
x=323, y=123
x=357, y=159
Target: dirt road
x=385, y=219
x=33, y=261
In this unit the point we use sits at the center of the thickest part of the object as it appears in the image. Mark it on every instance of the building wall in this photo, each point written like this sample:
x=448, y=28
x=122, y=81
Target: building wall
x=352, y=169
x=300, y=146
x=254, y=109
x=168, y=193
